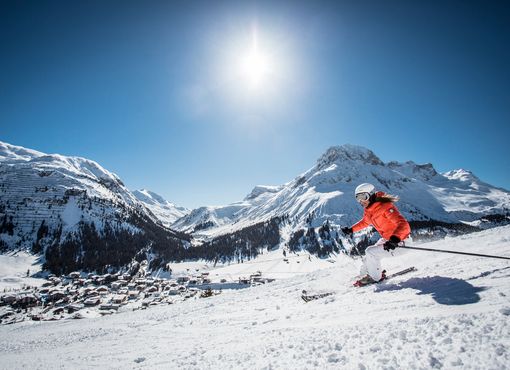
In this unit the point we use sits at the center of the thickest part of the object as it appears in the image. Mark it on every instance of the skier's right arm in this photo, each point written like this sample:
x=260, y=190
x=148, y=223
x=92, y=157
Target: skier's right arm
x=360, y=225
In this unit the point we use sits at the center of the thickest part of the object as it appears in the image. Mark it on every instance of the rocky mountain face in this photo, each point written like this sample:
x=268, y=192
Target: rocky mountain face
x=76, y=214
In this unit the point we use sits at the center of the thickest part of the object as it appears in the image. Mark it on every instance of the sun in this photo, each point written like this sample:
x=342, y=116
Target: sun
x=255, y=68
x=255, y=65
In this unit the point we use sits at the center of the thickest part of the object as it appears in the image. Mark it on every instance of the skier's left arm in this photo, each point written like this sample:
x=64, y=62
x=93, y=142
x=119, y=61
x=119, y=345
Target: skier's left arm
x=402, y=228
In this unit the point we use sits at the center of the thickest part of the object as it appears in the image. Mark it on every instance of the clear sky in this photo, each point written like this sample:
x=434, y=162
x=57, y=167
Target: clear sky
x=200, y=101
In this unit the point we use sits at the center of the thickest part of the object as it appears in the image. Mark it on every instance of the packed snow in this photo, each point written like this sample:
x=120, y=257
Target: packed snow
x=453, y=312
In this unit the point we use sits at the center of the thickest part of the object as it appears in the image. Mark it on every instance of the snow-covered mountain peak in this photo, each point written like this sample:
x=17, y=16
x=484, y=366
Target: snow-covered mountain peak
x=164, y=210
x=347, y=152
x=423, y=172
x=150, y=197
x=261, y=189
x=46, y=163
x=461, y=175
x=17, y=153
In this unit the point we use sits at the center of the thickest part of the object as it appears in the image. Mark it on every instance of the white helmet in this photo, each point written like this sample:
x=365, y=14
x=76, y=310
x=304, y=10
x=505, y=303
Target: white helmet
x=365, y=188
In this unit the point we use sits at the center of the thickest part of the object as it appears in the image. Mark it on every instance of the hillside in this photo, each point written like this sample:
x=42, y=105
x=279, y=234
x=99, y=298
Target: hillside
x=452, y=313
x=76, y=214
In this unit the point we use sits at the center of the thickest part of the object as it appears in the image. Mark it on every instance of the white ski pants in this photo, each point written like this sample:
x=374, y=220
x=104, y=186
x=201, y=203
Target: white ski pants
x=374, y=254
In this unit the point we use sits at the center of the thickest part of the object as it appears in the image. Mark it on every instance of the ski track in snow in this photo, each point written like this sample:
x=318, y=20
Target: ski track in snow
x=453, y=313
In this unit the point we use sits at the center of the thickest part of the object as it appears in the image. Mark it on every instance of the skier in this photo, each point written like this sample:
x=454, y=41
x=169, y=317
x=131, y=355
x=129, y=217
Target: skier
x=381, y=213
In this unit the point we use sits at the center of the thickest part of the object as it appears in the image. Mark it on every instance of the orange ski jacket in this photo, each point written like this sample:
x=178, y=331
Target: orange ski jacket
x=386, y=219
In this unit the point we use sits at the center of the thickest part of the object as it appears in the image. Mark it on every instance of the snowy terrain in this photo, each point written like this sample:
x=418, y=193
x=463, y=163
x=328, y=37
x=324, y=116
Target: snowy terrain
x=452, y=313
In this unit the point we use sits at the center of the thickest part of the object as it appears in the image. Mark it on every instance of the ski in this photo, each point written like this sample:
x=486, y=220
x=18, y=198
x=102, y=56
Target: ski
x=307, y=297
x=395, y=274
x=310, y=297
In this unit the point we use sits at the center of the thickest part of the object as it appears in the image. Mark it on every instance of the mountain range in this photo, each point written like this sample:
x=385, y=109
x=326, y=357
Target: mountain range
x=325, y=193
x=78, y=215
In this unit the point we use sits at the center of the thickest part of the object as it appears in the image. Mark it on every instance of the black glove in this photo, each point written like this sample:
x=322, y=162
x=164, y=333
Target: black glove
x=392, y=243
x=347, y=230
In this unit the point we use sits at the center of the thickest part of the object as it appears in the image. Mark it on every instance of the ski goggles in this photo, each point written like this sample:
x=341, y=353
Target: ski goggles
x=362, y=197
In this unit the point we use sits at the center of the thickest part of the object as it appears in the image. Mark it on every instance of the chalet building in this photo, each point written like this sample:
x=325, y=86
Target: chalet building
x=74, y=275
x=92, y=301
x=8, y=299
x=109, y=306
x=244, y=281
x=103, y=290
x=120, y=298
x=25, y=300
x=55, y=295
x=116, y=285
x=133, y=294
x=152, y=289
x=73, y=307
x=44, y=291
x=173, y=291
x=58, y=311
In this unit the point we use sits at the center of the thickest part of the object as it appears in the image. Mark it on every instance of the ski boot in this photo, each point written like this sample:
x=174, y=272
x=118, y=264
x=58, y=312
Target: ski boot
x=383, y=275
x=367, y=279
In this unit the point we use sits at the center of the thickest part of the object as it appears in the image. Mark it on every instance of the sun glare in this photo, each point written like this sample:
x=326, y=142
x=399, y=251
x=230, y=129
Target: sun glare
x=255, y=68
x=255, y=65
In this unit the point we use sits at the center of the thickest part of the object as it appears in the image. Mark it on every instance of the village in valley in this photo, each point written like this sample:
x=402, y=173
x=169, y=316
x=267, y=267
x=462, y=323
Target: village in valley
x=81, y=295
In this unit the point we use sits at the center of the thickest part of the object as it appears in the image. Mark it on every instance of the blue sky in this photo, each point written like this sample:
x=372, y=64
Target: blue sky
x=157, y=92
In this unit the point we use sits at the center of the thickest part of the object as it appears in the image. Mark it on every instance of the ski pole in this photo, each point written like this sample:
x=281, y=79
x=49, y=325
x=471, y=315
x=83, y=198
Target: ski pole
x=355, y=247
x=455, y=252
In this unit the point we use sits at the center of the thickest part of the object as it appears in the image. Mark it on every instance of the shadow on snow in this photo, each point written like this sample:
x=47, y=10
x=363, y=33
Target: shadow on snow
x=444, y=290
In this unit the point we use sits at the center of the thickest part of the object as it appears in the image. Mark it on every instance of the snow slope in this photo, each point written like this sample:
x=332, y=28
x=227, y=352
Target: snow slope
x=453, y=313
